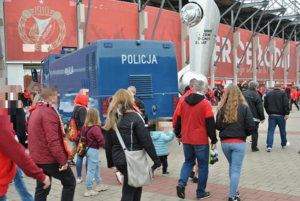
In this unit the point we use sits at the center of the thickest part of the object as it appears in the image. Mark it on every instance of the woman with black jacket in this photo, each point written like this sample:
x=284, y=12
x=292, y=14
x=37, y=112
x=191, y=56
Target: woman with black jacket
x=235, y=123
x=135, y=136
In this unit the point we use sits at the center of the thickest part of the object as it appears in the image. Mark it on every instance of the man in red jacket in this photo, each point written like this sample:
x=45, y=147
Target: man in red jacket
x=47, y=146
x=195, y=123
x=293, y=99
x=188, y=92
x=26, y=98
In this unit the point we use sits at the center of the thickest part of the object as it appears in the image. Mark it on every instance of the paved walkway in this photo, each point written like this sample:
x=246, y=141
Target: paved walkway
x=265, y=176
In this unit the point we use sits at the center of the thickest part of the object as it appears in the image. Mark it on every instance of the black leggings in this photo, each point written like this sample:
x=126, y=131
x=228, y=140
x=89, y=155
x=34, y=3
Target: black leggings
x=129, y=193
x=293, y=102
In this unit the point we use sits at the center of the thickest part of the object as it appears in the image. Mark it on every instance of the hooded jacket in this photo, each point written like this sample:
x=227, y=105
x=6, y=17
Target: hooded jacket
x=195, y=121
x=160, y=141
x=135, y=136
x=80, y=110
x=187, y=93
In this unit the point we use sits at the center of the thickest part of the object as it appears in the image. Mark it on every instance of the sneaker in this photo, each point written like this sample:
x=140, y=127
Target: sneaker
x=90, y=193
x=204, y=196
x=180, y=191
x=166, y=173
x=79, y=180
x=234, y=199
x=195, y=180
x=288, y=144
x=255, y=149
x=119, y=177
x=269, y=149
x=237, y=195
x=152, y=173
x=101, y=187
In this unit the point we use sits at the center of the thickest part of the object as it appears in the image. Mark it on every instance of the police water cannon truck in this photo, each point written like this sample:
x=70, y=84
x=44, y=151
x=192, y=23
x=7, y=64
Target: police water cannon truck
x=203, y=18
x=106, y=66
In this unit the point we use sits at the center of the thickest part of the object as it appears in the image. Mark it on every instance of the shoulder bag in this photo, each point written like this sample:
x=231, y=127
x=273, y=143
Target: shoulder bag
x=138, y=169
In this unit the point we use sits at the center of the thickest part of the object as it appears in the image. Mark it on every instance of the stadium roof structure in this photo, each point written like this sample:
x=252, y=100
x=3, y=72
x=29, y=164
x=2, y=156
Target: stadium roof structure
x=277, y=18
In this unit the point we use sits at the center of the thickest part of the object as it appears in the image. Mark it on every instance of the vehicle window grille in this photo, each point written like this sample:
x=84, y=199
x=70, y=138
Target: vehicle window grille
x=143, y=85
x=87, y=70
x=93, y=64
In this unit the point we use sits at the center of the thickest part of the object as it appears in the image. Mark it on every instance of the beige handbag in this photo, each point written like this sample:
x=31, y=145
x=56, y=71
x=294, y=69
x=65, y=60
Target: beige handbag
x=138, y=169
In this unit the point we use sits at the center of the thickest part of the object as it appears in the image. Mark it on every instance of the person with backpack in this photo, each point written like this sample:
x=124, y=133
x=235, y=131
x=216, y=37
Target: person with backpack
x=134, y=134
x=94, y=140
x=79, y=114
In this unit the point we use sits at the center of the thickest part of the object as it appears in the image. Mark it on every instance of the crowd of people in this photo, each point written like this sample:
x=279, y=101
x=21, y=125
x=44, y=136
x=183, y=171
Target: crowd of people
x=239, y=113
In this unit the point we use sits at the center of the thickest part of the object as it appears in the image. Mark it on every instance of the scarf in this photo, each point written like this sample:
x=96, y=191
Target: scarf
x=33, y=107
x=61, y=125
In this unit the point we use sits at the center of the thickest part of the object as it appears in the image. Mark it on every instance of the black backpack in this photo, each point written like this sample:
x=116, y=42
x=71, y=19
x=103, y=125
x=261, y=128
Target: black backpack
x=81, y=150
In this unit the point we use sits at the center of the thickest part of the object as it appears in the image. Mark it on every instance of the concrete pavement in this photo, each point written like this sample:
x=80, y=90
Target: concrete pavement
x=265, y=176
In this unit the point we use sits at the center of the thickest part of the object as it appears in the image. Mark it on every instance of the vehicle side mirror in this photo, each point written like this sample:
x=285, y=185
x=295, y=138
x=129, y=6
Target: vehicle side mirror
x=34, y=75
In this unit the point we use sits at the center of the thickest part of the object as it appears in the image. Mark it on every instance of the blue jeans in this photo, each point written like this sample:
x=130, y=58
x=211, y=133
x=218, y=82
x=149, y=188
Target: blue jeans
x=79, y=162
x=21, y=187
x=281, y=122
x=234, y=152
x=93, y=171
x=190, y=153
x=3, y=198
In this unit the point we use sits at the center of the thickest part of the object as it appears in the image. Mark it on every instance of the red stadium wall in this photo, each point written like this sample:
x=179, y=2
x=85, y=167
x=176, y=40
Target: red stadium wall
x=36, y=28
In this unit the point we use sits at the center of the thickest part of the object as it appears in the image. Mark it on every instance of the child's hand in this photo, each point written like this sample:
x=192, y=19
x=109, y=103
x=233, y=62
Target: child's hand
x=159, y=168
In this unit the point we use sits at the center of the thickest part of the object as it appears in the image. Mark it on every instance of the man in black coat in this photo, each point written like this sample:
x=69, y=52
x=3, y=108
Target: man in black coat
x=139, y=102
x=255, y=104
x=277, y=106
x=16, y=112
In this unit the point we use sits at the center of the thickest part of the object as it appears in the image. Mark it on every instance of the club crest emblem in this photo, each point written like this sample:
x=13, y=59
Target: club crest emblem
x=42, y=27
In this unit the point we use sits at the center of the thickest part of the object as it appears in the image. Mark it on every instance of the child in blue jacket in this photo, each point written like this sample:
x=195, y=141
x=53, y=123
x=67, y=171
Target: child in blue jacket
x=160, y=141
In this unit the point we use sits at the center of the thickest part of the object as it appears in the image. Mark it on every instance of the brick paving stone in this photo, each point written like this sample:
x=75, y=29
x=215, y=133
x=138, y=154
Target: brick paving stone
x=281, y=196
x=265, y=176
x=266, y=198
x=294, y=198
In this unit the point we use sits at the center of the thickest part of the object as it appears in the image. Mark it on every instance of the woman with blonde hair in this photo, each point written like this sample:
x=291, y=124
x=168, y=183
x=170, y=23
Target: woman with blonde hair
x=135, y=136
x=94, y=140
x=235, y=123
